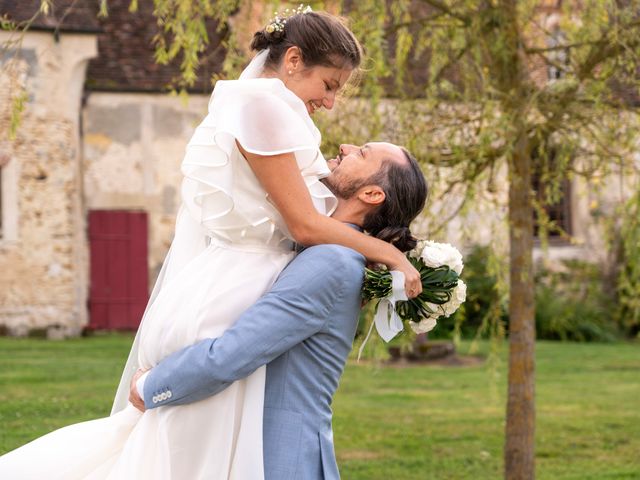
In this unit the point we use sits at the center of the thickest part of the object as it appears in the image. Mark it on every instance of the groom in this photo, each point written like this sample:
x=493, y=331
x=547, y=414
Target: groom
x=303, y=328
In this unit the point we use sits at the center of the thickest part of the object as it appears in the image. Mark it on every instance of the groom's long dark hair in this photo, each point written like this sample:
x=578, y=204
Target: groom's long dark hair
x=406, y=192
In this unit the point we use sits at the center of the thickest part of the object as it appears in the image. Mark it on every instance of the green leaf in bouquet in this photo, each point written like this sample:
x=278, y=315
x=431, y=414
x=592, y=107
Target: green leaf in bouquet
x=437, y=286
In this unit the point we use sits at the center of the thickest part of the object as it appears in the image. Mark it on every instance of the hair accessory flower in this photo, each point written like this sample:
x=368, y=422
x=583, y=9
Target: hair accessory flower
x=277, y=23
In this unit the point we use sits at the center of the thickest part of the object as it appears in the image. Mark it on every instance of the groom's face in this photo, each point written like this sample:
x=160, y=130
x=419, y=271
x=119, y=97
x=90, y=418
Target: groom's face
x=355, y=165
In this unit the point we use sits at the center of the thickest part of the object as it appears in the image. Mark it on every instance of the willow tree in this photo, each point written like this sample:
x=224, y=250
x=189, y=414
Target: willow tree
x=489, y=110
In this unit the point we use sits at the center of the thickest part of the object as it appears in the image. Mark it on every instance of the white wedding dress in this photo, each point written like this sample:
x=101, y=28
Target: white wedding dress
x=229, y=247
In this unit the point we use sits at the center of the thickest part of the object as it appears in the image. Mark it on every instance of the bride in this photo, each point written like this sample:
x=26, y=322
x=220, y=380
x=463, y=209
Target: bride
x=251, y=189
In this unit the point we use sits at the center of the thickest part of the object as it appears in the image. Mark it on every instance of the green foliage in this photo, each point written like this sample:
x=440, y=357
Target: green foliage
x=10, y=49
x=474, y=52
x=104, y=9
x=628, y=278
x=368, y=19
x=6, y=23
x=45, y=6
x=480, y=97
x=483, y=314
x=438, y=284
x=572, y=304
x=17, y=108
x=183, y=32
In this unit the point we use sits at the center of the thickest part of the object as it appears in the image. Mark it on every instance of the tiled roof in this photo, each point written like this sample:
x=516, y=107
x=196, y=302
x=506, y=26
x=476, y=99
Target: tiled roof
x=64, y=15
x=125, y=59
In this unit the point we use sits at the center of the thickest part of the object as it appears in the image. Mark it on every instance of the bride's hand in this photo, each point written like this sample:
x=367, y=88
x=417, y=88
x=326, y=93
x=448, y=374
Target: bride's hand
x=412, y=280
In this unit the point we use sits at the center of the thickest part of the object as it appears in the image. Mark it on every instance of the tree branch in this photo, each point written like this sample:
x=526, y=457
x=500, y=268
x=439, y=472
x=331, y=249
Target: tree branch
x=604, y=49
x=483, y=156
x=56, y=32
x=420, y=21
x=529, y=50
x=451, y=62
x=444, y=8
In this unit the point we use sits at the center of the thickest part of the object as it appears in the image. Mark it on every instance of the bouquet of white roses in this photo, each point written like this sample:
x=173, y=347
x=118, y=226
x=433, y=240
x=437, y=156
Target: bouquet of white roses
x=440, y=266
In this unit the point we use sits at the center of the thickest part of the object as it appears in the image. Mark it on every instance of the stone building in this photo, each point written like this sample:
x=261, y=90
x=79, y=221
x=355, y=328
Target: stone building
x=43, y=256
x=90, y=183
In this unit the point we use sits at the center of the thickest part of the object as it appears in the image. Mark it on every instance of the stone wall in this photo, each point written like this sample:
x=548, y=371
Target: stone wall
x=43, y=259
x=133, y=146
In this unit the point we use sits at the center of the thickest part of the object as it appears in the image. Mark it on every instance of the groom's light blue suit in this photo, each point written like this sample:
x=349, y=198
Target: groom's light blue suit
x=303, y=329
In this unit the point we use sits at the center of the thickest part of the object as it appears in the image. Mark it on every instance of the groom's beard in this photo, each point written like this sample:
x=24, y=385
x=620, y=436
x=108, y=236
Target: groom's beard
x=343, y=190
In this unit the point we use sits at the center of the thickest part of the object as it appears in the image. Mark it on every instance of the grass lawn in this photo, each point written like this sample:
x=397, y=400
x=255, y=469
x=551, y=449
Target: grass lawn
x=419, y=422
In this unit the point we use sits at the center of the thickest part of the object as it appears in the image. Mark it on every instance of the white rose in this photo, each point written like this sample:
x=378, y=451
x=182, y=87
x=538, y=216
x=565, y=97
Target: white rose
x=424, y=326
x=458, y=296
x=417, y=252
x=436, y=254
x=460, y=292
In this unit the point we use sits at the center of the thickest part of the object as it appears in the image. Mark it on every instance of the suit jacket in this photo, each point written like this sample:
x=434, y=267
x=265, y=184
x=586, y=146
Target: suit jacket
x=303, y=329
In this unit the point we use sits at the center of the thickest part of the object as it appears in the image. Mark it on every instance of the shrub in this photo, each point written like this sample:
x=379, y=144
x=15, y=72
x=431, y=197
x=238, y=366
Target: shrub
x=625, y=246
x=571, y=304
x=483, y=299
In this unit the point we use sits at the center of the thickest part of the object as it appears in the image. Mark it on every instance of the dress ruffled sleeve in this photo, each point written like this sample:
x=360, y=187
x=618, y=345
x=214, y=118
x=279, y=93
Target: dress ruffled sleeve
x=266, y=119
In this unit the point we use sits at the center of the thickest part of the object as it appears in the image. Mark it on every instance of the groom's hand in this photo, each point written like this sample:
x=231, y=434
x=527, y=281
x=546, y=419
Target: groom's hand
x=134, y=396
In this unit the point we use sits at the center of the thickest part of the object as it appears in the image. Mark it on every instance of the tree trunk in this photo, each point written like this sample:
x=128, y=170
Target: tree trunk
x=520, y=427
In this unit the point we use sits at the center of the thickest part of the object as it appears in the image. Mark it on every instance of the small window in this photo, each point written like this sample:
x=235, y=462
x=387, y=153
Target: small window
x=559, y=213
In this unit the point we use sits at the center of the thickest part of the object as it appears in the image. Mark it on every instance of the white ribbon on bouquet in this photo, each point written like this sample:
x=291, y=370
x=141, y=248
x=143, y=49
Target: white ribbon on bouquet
x=387, y=321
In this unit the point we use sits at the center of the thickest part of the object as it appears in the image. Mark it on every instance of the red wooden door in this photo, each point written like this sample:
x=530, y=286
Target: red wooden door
x=119, y=273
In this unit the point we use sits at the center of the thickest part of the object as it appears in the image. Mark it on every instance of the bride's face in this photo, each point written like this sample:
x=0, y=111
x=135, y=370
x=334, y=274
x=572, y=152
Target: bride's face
x=316, y=86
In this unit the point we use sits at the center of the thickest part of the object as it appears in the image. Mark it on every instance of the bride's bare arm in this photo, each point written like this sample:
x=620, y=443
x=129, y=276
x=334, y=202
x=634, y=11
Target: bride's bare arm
x=280, y=177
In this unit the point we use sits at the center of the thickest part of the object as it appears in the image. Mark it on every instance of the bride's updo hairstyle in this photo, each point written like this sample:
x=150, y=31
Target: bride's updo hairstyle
x=406, y=192
x=323, y=39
